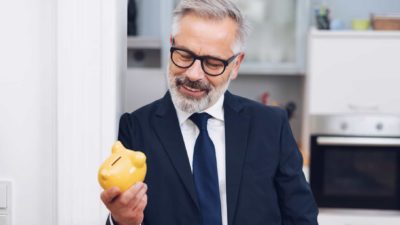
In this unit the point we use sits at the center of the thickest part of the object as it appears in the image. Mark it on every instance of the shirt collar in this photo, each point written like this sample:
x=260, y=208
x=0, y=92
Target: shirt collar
x=216, y=111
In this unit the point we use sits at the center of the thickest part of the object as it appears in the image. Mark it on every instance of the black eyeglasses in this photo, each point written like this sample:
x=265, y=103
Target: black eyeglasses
x=212, y=66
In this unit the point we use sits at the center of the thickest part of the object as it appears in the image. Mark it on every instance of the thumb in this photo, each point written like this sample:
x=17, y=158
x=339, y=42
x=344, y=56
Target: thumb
x=109, y=195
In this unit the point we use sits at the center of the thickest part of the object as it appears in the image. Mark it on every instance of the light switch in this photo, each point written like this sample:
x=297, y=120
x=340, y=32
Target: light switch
x=3, y=195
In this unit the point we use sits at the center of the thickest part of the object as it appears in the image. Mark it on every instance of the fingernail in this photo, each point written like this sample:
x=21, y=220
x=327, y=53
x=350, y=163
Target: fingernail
x=115, y=189
x=138, y=185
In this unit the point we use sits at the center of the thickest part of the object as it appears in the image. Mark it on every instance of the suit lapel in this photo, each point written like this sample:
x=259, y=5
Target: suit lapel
x=236, y=132
x=168, y=131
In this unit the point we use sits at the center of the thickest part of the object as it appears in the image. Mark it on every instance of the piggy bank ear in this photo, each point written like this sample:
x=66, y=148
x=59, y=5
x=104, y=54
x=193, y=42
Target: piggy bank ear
x=117, y=147
x=138, y=159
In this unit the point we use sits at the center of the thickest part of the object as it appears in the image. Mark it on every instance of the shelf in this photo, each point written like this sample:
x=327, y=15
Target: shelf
x=138, y=42
x=353, y=33
x=141, y=71
x=285, y=69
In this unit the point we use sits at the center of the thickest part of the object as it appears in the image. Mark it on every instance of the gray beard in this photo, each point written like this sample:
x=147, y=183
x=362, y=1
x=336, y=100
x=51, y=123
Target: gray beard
x=193, y=105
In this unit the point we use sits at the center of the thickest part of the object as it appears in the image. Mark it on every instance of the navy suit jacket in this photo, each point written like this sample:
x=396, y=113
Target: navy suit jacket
x=264, y=180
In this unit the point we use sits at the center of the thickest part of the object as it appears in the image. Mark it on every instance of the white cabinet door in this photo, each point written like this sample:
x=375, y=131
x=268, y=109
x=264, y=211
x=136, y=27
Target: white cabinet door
x=354, y=72
x=277, y=37
x=143, y=86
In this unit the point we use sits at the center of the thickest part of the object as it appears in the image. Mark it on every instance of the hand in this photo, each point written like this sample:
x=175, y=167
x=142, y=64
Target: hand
x=126, y=208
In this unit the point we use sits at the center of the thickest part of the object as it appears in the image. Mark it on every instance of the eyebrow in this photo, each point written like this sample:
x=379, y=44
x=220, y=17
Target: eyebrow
x=190, y=51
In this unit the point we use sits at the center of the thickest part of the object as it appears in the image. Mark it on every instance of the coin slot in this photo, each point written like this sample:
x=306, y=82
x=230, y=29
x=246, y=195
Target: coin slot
x=116, y=161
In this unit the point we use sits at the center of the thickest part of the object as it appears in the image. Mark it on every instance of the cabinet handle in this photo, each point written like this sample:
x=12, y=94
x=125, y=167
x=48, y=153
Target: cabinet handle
x=359, y=141
x=361, y=108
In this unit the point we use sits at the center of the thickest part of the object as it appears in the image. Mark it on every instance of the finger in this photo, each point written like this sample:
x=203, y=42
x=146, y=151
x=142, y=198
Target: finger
x=141, y=204
x=139, y=196
x=128, y=197
x=109, y=195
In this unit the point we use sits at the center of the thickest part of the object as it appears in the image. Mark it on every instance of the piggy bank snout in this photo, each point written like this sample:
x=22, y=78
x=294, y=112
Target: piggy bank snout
x=104, y=174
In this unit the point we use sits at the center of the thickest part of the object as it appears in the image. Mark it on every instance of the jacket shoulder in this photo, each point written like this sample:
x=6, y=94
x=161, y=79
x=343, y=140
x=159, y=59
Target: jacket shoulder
x=132, y=125
x=254, y=108
x=144, y=111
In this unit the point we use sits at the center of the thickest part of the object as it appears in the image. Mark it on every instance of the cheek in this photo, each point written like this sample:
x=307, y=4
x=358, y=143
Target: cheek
x=174, y=71
x=217, y=81
x=177, y=72
x=171, y=70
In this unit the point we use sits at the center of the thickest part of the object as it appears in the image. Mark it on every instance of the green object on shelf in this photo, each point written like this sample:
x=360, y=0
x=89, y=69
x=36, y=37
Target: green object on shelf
x=360, y=24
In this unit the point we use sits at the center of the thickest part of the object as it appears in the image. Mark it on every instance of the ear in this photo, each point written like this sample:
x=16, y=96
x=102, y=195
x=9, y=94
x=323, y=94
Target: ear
x=117, y=147
x=171, y=40
x=236, y=65
x=137, y=158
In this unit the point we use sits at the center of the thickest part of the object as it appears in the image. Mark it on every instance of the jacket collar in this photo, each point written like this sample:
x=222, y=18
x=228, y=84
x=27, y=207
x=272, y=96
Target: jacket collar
x=237, y=129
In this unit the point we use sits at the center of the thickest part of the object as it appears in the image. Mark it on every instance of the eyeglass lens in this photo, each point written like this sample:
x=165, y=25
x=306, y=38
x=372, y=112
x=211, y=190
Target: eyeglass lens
x=185, y=59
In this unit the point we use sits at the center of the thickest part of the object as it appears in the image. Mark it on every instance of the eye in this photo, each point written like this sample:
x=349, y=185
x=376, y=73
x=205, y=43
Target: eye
x=214, y=63
x=184, y=56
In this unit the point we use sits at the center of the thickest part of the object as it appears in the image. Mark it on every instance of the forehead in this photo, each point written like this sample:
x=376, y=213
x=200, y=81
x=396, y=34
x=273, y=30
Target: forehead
x=206, y=36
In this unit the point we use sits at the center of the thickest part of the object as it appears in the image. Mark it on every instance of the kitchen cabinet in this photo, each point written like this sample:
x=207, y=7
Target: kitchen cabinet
x=353, y=72
x=145, y=73
x=147, y=54
x=277, y=38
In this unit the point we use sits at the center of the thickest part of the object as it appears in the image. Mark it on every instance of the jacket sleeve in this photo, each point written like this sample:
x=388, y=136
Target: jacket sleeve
x=129, y=132
x=296, y=200
x=125, y=135
x=111, y=221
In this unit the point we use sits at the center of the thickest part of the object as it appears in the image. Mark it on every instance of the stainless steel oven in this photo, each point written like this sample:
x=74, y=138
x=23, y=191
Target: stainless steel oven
x=355, y=161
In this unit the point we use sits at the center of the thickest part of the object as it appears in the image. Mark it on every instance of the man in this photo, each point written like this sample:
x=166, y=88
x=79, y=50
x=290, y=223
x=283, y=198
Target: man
x=213, y=158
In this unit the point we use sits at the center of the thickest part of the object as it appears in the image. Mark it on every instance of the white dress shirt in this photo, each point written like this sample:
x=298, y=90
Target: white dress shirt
x=216, y=130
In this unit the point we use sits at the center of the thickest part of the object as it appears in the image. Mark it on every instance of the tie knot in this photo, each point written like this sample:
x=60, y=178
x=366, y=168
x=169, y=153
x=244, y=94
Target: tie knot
x=200, y=119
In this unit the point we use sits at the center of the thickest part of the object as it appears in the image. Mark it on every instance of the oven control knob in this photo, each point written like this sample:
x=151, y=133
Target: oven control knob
x=344, y=126
x=379, y=126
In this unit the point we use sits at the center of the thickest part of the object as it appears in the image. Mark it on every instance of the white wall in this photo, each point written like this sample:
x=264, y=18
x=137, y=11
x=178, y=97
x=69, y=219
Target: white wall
x=61, y=62
x=27, y=112
x=91, y=58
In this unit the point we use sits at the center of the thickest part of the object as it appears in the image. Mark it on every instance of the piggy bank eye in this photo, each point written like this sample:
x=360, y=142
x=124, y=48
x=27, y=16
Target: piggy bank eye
x=112, y=164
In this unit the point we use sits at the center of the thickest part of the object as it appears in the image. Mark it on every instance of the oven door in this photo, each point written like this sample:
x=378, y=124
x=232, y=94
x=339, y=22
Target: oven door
x=355, y=172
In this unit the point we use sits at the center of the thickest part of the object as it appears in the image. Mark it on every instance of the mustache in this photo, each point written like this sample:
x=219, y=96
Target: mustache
x=198, y=84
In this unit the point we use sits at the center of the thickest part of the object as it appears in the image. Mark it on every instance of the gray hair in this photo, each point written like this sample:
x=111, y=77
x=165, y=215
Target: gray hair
x=213, y=9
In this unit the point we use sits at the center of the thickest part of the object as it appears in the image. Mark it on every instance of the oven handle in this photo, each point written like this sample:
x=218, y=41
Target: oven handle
x=359, y=141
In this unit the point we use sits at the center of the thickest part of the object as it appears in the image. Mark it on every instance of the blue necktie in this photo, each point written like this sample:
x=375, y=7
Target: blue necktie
x=205, y=173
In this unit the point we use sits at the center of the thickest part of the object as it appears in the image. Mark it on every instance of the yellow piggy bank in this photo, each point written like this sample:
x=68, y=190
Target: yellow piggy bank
x=123, y=168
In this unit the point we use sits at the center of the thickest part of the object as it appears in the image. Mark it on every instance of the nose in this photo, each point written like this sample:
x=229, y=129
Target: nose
x=104, y=174
x=195, y=72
